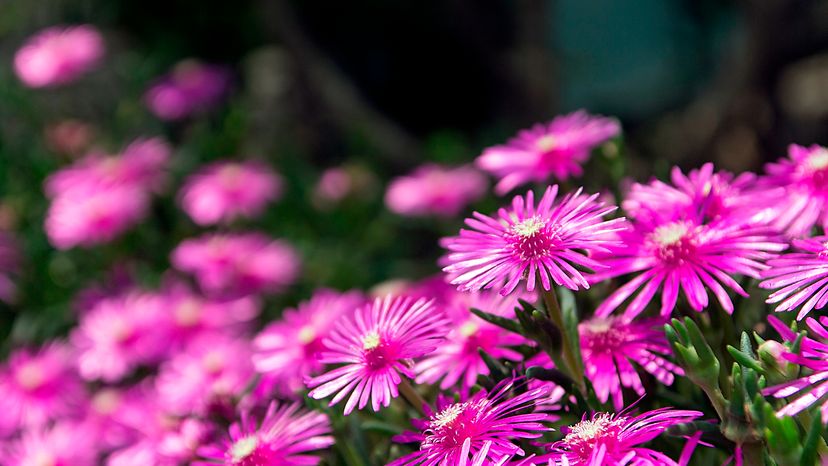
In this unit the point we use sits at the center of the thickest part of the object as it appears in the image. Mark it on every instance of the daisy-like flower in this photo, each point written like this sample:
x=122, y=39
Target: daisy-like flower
x=487, y=424
x=286, y=351
x=190, y=88
x=235, y=265
x=38, y=386
x=615, y=439
x=800, y=278
x=434, y=189
x=609, y=346
x=528, y=242
x=286, y=436
x=804, y=175
x=224, y=191
x=686, y=255
x=58, y=55
x=376, y=346
x=62, y=443
x=557, y=148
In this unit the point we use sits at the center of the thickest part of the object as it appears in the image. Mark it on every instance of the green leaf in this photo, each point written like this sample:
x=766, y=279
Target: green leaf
x=812, y=438
x=744, y=359
x=500, y=321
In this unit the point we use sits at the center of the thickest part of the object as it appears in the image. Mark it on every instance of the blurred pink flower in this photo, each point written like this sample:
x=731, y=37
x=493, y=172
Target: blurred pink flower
x=435, y=190
x=804, y=176
x=70, y=137
x=376, y=345
x=800, y=278
x=58, y=55
x=224, y=191
x=287, y=350
x=190, y=88
x=39, y=386
x=557, y=148
x=334, y=184
x=63, y=443
x=235, y=265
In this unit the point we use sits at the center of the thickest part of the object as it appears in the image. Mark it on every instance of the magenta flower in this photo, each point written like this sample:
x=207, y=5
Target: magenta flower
x=375, y=346
x=487, y=424
x=526, y=242
x=609, y=345
x=435, y=190
x=558, y=149
x=190, y=88
x=39, y=386
x=58, y=55
x=234, y=265
x=286, y=437
x=804, y=176
x=63, y=443
x=287, y=350
x=224, y=191
x=614, y=439
x=800, y=278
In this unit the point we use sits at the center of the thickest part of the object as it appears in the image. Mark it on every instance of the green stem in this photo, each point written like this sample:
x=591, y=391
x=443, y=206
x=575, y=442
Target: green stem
x=410, y=394
x=573, y=366
x=753, y=453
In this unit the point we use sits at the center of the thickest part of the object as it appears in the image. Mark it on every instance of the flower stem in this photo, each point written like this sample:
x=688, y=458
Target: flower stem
x=411, y=396
x=573, y=366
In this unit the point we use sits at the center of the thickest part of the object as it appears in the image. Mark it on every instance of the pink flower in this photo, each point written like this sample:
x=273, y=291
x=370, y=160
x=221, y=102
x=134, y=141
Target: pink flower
x=526, y=242
x=435, y=189
x=558, y=148
x=62, y=443
x=39, y=386
x=615, y=439
x=224, y=191
x=800, y=278
x=804, y=176
x=58, y=55
x=609, y=345
x=487, y=424
x=234, y=265
x=210, y=371
x=286, y=437
x=334, y=185
x=190, y=88
x=375, y=346
x=287, y=350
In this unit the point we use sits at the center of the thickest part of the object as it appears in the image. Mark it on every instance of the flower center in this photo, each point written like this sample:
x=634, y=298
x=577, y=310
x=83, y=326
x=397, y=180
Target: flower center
x=674, y=243
x=43, y=458
x=377, y=353
x=30, y=376
x=454, y=424
x=600, y=336
x=230, y=176
x=213, y=362
x=188, y=313
x=468, y=329
x=546, y=143
x=583, y=436
x=307, y=334
x=818, y=160
x=243, y=448
x=532, y=238
x=106, y=401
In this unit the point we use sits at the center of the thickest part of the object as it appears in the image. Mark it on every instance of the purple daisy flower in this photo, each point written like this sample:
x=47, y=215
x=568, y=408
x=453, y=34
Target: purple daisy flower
x=557, y=148
x=804, y=175
x=487, y=424
x=527, y=242
x=376, y=345
x=799, y=278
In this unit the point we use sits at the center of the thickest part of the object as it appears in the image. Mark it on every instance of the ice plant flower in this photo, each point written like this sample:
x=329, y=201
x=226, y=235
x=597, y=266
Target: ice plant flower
x=376, y=347
x=804, y=175
x=63, y=443
x=39, y=386
x=58, y=55
x=528, y=242
x=557, y=148
x=190, y=88
x=286, y=436
x=239, y=264
x=609, y=346
x=435, y=190
x=800, y=278
x=225, y=191
x=486, y=424
x=286, y=351
x=615, y=439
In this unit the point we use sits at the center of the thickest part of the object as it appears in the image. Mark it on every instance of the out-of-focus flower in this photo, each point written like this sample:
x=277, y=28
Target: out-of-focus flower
x=190, y=88
x=62, y=443
x=558, y=149
x=286, y=351
x=800, y=278
x=334, y=184
x=70, y=137
x=39, y=386
x=610, y=345
x=225, y=191
x=9, y=265
x=210, y=371
x=118, y=335
x=528, y=242
x=58, y=55
x=287, y=436
x=435, y=190
x=235, y=265
x=804, y=175
x=375, y=345
x=491, y=421
x=615, y=439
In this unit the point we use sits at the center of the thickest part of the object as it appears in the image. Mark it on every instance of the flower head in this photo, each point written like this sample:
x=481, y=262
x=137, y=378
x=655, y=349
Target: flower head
x=799, y=278
x=804, y=176
x=62, y=443
x=191, y=87
x=224, y=191
x=528, y=242
x=434, y=189
x=557, y=148
x=376, y=346
x=58, y=55
x=487, y=424
x=286, y=436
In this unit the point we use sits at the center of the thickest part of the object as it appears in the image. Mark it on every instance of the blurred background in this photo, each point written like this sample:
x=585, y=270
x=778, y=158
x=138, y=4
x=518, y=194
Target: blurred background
x=376, y=88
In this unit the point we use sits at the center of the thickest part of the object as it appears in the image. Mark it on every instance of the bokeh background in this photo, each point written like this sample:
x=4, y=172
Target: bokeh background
x=378, y=87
